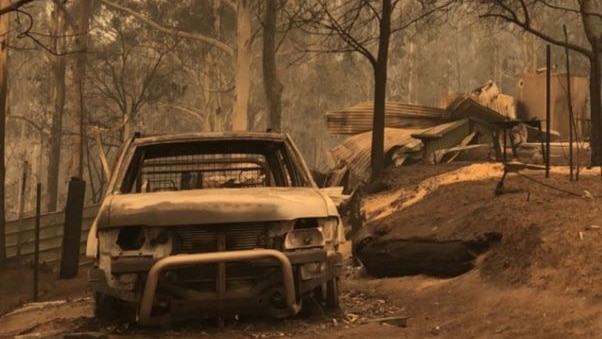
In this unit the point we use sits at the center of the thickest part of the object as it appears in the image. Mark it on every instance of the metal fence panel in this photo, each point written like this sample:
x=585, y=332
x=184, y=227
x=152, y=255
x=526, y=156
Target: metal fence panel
x=51, y=236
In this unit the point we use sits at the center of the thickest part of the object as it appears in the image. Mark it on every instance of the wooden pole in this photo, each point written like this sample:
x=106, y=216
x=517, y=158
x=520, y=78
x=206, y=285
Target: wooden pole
x=72, y=229
x=542, y=142
x=22, y=208
x=570, y=103
x=505, y=160
x=36, y=253
x=548, y=113
x=4, y=28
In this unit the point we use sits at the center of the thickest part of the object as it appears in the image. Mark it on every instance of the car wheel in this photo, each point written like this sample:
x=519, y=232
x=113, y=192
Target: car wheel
x=106, y=307
x=319, y=293
x=332, y=294
x=109, y=308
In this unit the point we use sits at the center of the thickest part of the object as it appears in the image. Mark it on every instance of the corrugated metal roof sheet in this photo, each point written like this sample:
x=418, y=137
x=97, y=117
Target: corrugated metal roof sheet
x=358, y=118
x=355, y=150
x=439, y=130
x=467, y=107
x=489, y=95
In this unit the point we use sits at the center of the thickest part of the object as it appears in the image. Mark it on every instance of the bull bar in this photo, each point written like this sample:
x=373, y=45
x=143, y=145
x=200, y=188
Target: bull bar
x=148, y=296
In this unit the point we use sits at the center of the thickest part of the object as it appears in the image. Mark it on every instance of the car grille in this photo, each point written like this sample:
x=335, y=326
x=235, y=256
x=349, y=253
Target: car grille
x=203, y=239
x=204, y=277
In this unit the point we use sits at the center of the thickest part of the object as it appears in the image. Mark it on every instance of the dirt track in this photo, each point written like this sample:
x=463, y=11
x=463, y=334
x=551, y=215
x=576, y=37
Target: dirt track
x=540, y=281
x=460, y=307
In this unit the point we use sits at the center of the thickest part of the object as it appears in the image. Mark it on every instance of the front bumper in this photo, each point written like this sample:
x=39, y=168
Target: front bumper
x=152, y=279
x=289, y=263
x=123, y=265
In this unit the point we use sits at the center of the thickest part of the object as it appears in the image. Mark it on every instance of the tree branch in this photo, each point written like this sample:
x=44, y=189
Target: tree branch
x=148, y=79
x=27, y=33
x=193, y=36
x=570, y=10
x=422, y=16
x=31, y=122
x=346, y=35
x=523, y=5
x=372, y=9
x=14, y=6
x=512, y=17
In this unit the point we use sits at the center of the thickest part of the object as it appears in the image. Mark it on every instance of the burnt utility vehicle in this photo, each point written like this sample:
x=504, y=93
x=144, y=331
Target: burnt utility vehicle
x=212, y=225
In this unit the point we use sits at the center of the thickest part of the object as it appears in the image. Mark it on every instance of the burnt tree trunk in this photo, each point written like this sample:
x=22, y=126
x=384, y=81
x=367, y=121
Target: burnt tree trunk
x=592, y=25
x=83, y=10
x=272, y=86
x=380, y=92
x=411, y=71
x=242, y=78
x=58, y=97
x=595, y=86
x=4, y=23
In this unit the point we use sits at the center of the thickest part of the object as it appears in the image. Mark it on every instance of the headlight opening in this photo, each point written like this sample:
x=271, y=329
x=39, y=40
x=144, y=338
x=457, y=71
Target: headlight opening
x=304, y=238
x=311, y=233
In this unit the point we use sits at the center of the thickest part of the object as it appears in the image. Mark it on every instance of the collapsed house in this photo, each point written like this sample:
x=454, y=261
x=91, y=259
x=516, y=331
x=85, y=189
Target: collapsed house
x=416, y=133
x=479, y=125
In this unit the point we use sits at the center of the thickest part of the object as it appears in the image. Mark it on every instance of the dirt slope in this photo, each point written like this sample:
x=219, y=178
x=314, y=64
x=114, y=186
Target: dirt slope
x=549, y=239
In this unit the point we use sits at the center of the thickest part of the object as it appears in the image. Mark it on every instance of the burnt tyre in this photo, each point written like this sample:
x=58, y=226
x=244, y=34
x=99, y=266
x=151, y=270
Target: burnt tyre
x=105, y=307
x=109, y=308
x=332, y=294
x=328, y=294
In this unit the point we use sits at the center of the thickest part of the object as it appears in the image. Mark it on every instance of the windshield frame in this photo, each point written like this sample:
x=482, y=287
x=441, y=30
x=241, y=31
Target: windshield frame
x=293, y=162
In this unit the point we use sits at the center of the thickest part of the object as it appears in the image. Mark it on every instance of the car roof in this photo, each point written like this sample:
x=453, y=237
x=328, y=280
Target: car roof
x=209, y=136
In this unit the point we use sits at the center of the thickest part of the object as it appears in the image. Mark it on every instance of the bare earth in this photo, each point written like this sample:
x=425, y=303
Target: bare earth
x=542, y=280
